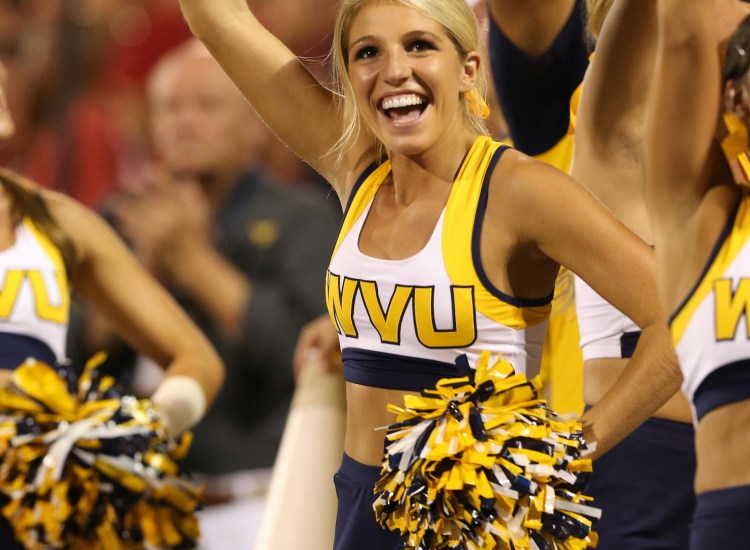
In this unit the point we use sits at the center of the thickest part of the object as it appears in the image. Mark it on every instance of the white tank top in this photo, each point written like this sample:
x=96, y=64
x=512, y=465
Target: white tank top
x=601, y=325
x=35, y=298
x=710, y=329
x=435, y=306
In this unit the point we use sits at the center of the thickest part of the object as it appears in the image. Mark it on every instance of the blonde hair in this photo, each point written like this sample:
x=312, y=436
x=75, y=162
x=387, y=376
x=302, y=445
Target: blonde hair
x=596, y=12
x=459, y=23
x=29, y=203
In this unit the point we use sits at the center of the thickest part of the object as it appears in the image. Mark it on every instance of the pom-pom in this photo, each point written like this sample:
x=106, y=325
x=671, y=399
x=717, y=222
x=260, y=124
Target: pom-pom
x=485, y=465
x=84, y=467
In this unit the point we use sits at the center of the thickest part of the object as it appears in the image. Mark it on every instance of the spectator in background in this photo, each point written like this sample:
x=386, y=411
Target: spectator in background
x=77, y=89
x=78, y=71
x=245, y=257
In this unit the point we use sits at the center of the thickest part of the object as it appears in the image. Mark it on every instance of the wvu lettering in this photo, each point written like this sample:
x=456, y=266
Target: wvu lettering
x=731, y=306
x=45, y=309
x=388, y=321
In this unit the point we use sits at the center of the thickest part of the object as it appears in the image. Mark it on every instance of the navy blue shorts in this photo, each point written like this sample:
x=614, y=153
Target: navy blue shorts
x=721, y=520
x=356, y=527
x=644, y=487
x=17, y=347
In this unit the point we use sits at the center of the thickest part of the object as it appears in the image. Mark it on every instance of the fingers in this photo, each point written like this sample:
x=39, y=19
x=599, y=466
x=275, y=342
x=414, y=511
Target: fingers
x=161, y=213
x=317, y=346
x=305, y=351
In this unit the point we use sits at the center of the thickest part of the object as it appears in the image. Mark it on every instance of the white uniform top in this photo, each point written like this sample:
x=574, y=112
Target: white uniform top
x=35, y=298
x=710, y=329
x=600, y=324
x=436, y=305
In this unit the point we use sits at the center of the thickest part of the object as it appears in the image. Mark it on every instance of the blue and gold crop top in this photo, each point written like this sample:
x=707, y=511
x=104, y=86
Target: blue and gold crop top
x=710, y=329
x=34, y=301
x=404, y=324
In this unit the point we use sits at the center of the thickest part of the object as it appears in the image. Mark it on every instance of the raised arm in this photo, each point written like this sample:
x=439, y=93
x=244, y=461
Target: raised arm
x=682, y=109
x=294, y=104
x=613, y=99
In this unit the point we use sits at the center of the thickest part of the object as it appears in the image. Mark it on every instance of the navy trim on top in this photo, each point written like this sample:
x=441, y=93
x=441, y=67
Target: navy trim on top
x=476, y=242
x=711, y=258
x=357, y=184
x=534, y=91
x=16, y=348
x=398, y=372
x=628, y=343
x=726, y=385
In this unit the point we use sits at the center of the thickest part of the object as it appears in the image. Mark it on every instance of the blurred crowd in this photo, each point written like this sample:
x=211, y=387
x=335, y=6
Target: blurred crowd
x=77, y=73
x=117, y=106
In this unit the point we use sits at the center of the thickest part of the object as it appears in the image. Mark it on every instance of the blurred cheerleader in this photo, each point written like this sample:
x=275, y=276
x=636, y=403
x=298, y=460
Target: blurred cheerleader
x=49, y=244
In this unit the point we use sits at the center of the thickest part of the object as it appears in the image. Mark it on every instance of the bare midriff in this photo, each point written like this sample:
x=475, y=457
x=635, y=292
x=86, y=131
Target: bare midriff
x=722, y=443
x=599, y=375
x=366, y=419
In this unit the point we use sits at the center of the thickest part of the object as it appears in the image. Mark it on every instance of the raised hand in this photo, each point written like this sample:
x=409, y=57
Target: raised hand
x=206, y=16
x=163, y=218
x=317, y=345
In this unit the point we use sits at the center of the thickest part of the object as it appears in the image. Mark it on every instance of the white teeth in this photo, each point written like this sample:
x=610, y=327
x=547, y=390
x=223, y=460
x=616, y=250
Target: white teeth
x=405, y=100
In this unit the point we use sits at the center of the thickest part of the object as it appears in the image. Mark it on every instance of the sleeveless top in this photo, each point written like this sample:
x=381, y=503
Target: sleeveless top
x=605, y=331
x=404, y=324
x=534, y=92
x=710, y=329
x=34, y=300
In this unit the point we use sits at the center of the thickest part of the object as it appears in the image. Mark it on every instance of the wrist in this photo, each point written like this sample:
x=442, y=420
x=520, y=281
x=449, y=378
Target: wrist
x=181, y=401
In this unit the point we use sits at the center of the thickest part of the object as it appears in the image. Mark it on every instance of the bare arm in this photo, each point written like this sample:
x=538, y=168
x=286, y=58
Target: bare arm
x=570, y=226
x=111, y=278
x=532, y=25
x=298, y=108
x=682, y=107
x=612, y=105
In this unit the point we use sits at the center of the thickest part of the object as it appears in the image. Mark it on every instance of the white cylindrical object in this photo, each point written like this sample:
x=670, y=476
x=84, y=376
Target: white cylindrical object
x=182, y=402
x=300, y=510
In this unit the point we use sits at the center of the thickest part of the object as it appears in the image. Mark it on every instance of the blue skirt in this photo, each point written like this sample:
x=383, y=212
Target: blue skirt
x=722, y=520
x=644, y=487
x=356, y=527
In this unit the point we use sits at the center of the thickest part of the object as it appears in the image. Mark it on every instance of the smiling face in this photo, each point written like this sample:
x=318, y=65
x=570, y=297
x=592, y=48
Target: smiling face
x=407, y=76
